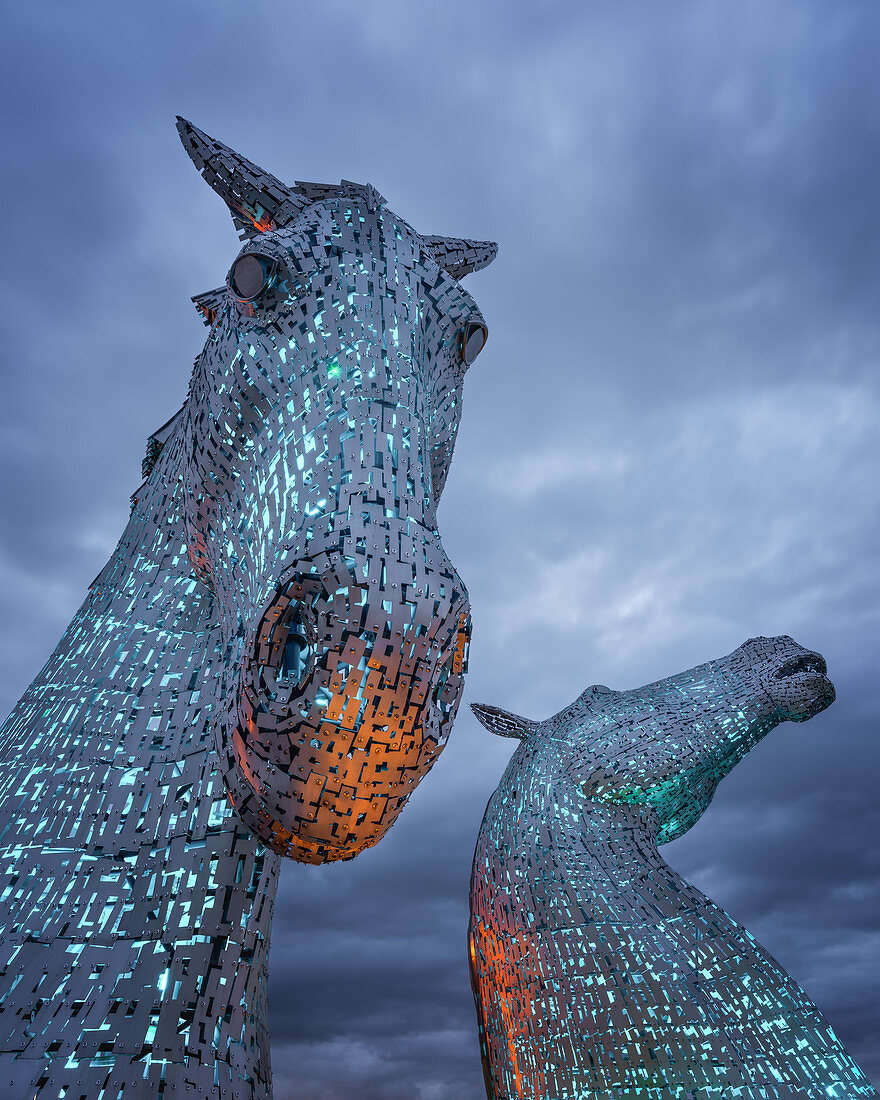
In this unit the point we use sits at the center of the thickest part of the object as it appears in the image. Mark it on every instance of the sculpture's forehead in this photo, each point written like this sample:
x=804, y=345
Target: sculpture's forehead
x=350, y=225
x=348, y=237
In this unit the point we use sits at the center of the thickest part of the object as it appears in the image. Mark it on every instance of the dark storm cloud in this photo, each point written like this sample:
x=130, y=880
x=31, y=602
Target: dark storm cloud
x=668, y=445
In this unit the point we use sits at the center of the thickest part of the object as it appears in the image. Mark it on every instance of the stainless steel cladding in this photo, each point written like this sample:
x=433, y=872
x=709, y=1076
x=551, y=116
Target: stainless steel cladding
x=279, y=630
x=319, y=430
x=599, y=972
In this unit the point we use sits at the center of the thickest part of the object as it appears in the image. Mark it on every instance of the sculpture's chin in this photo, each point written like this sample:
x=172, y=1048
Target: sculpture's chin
x=805, y=696
x=815, y=707
x=313, y=812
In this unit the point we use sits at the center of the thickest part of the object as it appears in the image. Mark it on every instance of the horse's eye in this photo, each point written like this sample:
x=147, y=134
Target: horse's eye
x=472, y=340
x=251, y=275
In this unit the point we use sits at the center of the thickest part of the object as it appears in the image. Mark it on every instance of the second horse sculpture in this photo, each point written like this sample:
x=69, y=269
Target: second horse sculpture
x=599, y=973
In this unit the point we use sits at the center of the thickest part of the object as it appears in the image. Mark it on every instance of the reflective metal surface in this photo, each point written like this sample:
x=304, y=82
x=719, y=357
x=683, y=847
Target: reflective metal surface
x=279, y=629
x=598, y=971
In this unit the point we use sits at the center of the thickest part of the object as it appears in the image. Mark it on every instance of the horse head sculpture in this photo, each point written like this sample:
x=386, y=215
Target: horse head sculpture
x=266, y=666
x=668, y=745
x=597, y=970
x=319, y=426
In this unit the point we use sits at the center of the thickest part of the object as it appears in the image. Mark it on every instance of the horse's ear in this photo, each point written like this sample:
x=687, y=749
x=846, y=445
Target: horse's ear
x=458, y=256
x=209, y=302
x=502, y=722
x=257, y=200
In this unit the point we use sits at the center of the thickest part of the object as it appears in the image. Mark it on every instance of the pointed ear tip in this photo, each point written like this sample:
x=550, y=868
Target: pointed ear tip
x=491, y=248
x=501, y=722
x=190, y=134
x=485, y=714
x=187, y=133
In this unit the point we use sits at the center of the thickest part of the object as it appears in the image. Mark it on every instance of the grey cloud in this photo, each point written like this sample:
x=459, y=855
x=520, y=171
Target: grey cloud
x=669, y=443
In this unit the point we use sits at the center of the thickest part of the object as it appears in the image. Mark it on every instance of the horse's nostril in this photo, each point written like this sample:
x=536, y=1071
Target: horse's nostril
x=446, y=694
x=287, y=647
x=809, y=662
x=295, y=656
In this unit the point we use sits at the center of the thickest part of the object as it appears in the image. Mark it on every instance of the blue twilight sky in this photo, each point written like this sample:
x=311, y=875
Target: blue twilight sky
x=669, y=444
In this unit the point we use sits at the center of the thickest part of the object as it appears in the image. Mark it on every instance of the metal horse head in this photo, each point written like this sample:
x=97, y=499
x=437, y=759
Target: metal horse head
x=597, y=970
x=319, y=429
x=668, y=745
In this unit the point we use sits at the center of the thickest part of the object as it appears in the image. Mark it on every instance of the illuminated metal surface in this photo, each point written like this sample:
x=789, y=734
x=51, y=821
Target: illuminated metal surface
x=599, y=973
x=279, y=621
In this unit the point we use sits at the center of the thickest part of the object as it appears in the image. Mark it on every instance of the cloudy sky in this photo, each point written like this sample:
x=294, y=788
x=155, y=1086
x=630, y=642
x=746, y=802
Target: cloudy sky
x=669, y=444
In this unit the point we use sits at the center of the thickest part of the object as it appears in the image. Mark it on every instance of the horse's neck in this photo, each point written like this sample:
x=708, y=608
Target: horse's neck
x=547, y=857
x=129, y=685
x=132, y=895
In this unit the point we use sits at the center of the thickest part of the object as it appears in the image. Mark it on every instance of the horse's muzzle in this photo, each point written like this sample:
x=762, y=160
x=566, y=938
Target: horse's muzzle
x=346, y=694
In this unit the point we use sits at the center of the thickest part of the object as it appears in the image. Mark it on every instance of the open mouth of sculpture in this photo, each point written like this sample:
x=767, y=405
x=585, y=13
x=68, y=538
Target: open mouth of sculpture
x=808, y=663
x=341, y=713
x=803, y=686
